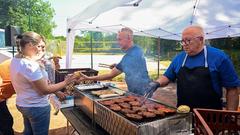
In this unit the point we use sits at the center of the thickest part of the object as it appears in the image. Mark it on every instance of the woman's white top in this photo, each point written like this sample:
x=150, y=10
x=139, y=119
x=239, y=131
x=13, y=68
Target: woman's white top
x=23, y=72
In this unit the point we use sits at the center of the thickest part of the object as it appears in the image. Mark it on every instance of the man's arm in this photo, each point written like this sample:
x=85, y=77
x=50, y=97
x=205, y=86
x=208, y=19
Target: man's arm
x=114, y=72
x=232, y=98
x=160, y=82
x=163, y=81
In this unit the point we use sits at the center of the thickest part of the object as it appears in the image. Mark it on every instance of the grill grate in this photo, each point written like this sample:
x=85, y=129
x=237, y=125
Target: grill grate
x=116, y=123
x=137, y=123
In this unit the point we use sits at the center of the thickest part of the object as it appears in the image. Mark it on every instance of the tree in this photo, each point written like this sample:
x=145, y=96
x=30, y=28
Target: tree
x=30, y=15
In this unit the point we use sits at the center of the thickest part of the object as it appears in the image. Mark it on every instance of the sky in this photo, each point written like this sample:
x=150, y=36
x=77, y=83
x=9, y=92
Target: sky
x=65, y=9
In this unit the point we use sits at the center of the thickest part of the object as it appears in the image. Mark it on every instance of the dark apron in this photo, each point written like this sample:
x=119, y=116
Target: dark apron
x=194, y=87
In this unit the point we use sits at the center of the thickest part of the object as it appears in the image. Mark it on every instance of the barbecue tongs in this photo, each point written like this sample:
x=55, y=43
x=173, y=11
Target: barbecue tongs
x=104, y=65
x=146, y=96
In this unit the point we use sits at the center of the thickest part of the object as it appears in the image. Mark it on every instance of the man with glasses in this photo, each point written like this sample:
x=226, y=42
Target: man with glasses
x=200, y=72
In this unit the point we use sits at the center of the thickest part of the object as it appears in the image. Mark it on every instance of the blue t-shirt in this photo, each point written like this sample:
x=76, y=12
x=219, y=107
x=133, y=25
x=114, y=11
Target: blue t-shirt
x=220, y=66
x=133, y=64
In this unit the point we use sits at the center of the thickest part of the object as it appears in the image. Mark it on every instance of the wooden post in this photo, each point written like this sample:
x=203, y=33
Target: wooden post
x=158, y=52
x=91, y=44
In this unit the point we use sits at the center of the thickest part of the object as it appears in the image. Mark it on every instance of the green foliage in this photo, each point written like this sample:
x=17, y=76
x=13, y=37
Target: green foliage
x=168, y=48
x=30, y=15
x=148, y=44
x=61, y=38
x=57, y=47
x=99, y=40
x=230, y=46
x=107, y=51
x=105, y=42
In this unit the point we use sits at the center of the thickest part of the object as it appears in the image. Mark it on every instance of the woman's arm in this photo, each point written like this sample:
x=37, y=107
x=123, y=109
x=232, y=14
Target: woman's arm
x=45, y=88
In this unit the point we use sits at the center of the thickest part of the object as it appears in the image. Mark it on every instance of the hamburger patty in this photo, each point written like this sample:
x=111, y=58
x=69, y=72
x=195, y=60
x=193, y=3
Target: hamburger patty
x=149, y=114
x=125, y=105
x=127, y=111
x=115, y=107
x=107, y=102
x=135, y=103
x=134, y=116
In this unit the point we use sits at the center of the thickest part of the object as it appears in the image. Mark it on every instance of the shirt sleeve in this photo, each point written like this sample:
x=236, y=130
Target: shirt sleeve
x=228, y=74
x=32, y=71
x=120, y=65
x=170, y=72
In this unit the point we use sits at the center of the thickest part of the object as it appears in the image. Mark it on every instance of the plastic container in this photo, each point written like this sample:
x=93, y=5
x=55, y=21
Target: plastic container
x=61, y=73
x=220, y=122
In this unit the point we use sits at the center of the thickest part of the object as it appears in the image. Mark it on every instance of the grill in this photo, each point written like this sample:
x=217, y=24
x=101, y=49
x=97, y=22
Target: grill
x=117, y=124
x=85, y=101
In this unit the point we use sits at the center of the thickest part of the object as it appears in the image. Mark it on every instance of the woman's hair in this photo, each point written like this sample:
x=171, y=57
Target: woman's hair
x=28, y=37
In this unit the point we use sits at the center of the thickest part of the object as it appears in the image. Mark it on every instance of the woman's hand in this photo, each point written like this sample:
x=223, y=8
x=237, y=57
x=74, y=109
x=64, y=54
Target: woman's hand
x=61, y=95
x=70, y=78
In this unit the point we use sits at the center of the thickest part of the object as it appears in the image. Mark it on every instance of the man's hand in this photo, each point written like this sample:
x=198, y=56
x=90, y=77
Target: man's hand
x=152, y=87
x=112, y=66
x=83, y=77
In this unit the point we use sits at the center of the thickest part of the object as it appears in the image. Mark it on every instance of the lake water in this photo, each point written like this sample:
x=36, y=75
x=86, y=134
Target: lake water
x=84, y=61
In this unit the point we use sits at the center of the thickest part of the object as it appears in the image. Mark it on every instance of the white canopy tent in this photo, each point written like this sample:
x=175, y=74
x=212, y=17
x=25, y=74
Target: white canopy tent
x=161, y=19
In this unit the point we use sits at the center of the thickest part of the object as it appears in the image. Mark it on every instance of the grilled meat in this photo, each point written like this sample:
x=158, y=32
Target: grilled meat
x=125, y=105
x=149, y=114
x=134, y=116
x=135, y=103
x=115, y=107
x=107, y=102
x=128, y=111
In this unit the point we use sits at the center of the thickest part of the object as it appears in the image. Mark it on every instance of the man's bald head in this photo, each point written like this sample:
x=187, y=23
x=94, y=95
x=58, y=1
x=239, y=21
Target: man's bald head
x=194, y=30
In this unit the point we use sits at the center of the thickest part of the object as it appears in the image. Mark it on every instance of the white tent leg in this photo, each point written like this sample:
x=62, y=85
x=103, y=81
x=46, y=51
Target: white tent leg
x=70, y=45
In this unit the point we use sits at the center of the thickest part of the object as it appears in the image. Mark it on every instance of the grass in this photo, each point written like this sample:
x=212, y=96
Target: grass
x=97, y=53
x=120, y=78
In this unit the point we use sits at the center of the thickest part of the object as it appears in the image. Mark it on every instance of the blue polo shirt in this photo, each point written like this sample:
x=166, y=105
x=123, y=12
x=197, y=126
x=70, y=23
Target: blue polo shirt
x=133, y=64
x=220, y=66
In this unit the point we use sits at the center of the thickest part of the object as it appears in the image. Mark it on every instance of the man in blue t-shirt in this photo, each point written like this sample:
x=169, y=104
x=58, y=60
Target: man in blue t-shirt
x=133, y=64
x=200, y=72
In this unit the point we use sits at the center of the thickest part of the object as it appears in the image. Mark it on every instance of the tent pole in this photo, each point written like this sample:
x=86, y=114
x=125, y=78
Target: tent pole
x=91, y=34
x=158, y=52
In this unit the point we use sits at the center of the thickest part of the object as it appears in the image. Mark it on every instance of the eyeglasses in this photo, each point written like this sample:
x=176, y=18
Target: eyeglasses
x=188, y=41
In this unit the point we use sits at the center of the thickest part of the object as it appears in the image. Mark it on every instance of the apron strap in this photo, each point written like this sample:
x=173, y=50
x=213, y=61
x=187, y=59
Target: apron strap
x=185, y=58
x=205, y=57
